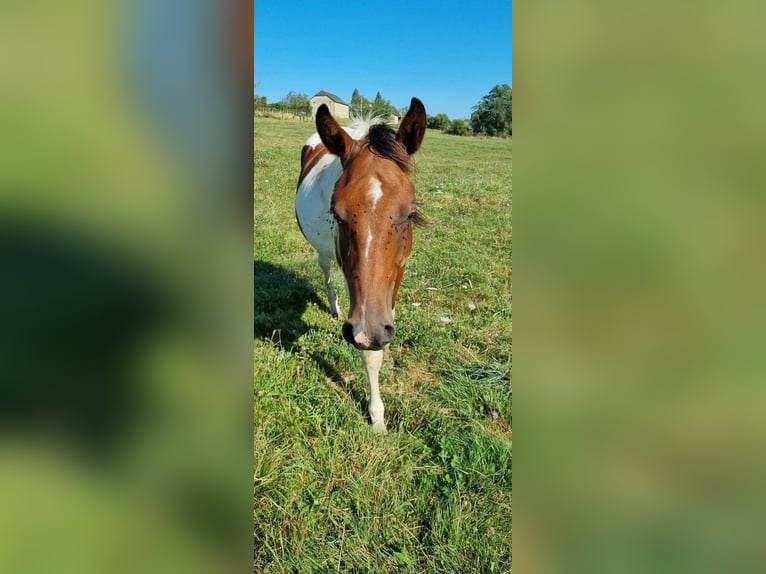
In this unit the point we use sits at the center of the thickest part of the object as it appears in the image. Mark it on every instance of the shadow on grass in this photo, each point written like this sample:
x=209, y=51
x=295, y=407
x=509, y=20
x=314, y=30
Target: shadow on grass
x=357, y=396
x=280, y=300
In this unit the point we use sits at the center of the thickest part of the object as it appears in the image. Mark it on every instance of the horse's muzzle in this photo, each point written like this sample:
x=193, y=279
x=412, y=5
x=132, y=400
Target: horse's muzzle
x=374, y=340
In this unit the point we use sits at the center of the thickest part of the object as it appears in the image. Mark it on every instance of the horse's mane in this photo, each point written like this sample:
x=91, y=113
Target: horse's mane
x=382, y=139
x=383, y=143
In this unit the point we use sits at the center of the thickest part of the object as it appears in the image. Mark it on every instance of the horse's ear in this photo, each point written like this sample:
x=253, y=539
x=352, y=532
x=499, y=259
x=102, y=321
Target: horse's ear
x=413, y=127
x=334, y=137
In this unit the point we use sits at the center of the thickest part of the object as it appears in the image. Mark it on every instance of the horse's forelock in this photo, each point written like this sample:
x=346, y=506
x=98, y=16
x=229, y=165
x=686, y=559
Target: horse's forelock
x=383, y=143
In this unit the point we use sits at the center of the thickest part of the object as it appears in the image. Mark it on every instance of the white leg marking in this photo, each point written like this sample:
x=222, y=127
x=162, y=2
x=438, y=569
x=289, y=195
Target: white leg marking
x=372, y=361
x=332, y=297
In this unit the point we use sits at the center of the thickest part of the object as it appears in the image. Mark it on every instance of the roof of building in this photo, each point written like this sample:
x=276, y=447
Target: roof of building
x=333, y=97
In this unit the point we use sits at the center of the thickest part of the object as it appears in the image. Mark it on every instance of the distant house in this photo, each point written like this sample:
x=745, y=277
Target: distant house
x=338, y=108
x=397, y=116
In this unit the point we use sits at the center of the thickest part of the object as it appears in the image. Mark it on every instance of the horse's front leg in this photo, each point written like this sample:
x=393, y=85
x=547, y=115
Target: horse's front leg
x=372, y=361
x=332, y=297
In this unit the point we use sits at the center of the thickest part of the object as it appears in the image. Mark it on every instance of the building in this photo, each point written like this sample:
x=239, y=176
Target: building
x=338, y=108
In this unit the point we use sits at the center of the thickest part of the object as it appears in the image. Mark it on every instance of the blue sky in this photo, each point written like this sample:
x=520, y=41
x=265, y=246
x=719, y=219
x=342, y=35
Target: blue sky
x=448, y=54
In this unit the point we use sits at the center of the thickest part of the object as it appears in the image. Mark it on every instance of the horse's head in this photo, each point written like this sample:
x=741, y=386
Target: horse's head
x=374, y=206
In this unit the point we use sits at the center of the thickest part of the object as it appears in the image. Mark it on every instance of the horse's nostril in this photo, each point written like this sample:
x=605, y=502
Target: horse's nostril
x=348, y=332
x=388, y=334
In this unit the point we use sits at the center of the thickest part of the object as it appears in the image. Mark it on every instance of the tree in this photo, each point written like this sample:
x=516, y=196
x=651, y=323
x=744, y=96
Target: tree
x=438, y=122
x=382, y=108
x=360, y=106
x=458, y=128
x=493, y=116
x=259, y=102
x=298, y=104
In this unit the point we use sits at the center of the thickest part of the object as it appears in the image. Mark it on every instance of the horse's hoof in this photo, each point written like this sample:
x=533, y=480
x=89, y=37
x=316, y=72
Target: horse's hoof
x=379, y=428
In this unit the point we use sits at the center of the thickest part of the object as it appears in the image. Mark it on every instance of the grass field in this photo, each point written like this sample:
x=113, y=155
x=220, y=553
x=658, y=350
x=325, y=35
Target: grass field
x=434, y=494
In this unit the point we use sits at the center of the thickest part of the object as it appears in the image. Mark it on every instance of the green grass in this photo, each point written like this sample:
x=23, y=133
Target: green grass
x=328, y=495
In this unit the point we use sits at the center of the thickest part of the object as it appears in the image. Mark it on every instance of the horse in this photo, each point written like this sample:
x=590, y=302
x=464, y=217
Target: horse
x=355, y=204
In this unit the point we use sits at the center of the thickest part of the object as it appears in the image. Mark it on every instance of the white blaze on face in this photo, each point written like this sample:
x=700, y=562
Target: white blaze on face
x=367, y=245
x=374, y=193
x=361, y=337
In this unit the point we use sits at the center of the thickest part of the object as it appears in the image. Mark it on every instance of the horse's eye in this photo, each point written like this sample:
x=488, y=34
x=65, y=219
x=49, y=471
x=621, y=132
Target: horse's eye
x=412, y=215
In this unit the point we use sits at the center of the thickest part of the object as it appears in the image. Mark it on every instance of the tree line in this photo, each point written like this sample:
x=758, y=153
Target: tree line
x=362, y=107
x=293, y=103
x=300, y=105
x=492, y=116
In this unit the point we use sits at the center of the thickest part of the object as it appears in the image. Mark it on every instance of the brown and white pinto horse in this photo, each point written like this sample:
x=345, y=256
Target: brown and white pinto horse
x=356, y=204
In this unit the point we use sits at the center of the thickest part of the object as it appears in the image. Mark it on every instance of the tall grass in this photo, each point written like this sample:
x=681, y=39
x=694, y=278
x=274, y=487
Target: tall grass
x=434, y=494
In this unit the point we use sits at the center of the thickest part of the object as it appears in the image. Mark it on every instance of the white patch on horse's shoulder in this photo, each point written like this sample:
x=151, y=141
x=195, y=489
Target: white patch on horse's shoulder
x=318, y=170
x=374, y=193
x=313, y=140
